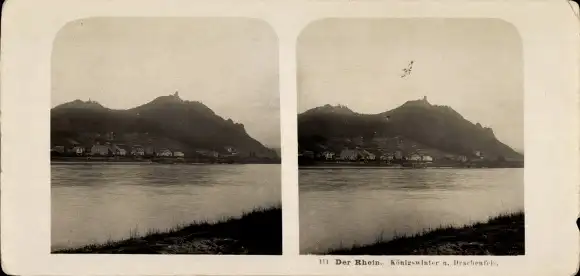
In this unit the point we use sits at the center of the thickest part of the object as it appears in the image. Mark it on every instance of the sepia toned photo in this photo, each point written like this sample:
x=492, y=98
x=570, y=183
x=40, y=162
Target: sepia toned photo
x=411, y=137
x=289, y=138
x=165, y=137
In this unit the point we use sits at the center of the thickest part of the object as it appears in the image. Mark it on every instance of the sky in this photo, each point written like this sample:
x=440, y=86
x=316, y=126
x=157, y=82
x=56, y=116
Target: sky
x=230, y=65
x=474, y=66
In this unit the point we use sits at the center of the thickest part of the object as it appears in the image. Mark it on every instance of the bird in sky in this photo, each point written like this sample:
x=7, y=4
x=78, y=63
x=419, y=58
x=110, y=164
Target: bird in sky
x=407, y=71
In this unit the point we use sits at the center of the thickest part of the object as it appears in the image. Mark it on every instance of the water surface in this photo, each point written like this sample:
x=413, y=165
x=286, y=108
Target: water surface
x=92, y=203
x=340, y=207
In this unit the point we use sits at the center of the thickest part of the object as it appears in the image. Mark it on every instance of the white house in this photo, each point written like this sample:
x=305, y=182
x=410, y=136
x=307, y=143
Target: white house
x=119, y=151
x=427, y=158
x=328, y=155
x=349, y=155
x=100, y=150
x=231, y=150
x=137, y=151
x=369, y=156
x=178, y=154
x=78, y=150
x=387, y=157
x=415, y=157
x=165, y=153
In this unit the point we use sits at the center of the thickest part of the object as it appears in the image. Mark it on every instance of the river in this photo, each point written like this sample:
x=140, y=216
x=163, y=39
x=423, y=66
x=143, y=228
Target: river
x=340, y=207
x=93, y=203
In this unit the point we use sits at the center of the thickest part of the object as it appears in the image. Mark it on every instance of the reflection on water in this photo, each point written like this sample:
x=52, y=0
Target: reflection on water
x=346, y=206
x=96, y=202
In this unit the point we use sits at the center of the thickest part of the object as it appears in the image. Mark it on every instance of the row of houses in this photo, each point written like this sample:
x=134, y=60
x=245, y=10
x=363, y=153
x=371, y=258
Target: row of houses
x=358, y=154
x=116, y=150
x=112, y=149
x=364, y=155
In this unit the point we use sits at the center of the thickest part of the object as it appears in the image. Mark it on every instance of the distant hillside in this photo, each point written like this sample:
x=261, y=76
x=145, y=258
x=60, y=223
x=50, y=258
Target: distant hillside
x=278, y=151
x=438, y=130
x=166, y=122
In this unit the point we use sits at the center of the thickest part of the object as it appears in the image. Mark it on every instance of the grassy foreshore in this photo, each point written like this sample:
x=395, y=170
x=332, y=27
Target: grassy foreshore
x=255, y=233
x=502, y=235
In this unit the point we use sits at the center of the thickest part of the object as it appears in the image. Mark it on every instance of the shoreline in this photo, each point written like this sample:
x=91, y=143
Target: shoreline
x=502, y=235
x=258, y=232
x=151, y=163
x=396, y=168
x=374, y=165
x=132, y=161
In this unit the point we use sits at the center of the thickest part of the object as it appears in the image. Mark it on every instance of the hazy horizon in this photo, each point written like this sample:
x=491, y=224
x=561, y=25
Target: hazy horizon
x=228, y=64
x=475, y=66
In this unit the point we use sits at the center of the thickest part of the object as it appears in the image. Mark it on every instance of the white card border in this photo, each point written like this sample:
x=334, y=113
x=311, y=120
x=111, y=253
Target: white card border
x=549, y=32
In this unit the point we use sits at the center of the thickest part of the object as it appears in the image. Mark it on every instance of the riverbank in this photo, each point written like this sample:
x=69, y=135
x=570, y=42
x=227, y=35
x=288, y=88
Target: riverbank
x=364, y=165
x=255, y=233
x=501, y=235
x=168, y=160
